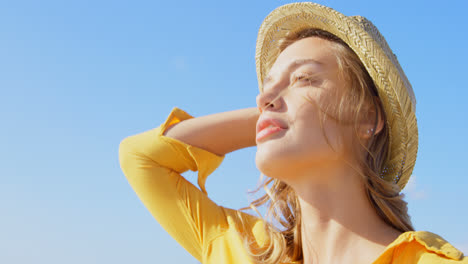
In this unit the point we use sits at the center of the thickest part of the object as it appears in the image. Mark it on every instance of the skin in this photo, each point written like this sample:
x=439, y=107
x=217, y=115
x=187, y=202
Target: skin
x=339, y=225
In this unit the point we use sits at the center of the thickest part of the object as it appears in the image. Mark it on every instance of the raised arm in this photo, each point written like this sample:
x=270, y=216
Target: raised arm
x=153, y=160
x=219, y=133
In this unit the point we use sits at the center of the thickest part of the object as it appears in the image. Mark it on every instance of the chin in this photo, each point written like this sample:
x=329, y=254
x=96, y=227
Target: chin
x=273, y=163
x=283, y=161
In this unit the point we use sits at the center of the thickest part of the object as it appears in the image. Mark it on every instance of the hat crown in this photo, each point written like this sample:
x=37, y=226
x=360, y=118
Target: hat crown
x=379, y=39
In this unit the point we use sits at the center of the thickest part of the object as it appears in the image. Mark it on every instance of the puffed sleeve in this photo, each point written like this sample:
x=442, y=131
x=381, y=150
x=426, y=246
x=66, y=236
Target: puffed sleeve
x=152, y=164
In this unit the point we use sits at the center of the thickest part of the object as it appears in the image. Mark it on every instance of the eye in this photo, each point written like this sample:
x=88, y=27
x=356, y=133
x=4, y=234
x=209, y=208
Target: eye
x=303, y=79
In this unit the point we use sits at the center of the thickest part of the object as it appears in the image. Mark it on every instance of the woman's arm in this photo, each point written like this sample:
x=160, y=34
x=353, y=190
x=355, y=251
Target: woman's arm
x=153, y=160
x=219, y=133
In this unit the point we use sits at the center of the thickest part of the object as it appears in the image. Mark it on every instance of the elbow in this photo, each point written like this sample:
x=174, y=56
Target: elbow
x=132, y=158
x=125, y=155
x=123, y=149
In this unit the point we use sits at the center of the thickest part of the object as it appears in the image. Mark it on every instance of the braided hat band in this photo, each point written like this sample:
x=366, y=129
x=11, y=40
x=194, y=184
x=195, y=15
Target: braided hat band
x=365, y=40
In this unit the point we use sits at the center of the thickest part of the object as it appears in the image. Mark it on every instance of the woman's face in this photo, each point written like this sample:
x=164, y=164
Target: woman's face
x=290, y=139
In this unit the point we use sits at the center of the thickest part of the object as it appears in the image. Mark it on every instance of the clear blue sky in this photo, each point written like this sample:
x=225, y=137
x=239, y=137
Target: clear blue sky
x=76, y=77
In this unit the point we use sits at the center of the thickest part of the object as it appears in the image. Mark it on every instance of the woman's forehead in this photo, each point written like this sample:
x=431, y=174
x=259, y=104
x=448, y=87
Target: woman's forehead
x=314, y=54
x=312, y=51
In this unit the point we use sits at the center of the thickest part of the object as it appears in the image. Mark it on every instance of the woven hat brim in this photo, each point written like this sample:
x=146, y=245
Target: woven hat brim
x=365, y=40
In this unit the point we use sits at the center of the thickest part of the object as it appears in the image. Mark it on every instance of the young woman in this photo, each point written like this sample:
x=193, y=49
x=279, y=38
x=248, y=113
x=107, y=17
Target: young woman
x=336, y=136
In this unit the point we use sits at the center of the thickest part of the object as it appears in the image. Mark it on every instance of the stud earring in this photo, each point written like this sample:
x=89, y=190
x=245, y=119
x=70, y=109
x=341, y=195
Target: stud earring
x=369, y=131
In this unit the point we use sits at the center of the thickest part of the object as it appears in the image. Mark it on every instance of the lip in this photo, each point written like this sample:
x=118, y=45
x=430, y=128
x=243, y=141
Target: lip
x=268, y=126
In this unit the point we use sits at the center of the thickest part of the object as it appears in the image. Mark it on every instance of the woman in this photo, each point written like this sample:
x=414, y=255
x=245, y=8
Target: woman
x=336, y=134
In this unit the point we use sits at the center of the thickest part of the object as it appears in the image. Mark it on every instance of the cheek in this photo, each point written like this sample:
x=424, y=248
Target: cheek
x=320, y=127
x=312, y=142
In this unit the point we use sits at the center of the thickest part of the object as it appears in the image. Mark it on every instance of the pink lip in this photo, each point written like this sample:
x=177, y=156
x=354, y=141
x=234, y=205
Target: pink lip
x=267, y=127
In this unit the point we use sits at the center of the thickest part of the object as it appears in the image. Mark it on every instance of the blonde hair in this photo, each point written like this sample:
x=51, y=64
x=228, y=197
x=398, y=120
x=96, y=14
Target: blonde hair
x=283, y=227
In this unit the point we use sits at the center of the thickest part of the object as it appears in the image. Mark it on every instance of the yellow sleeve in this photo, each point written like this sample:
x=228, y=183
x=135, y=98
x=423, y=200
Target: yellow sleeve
x=152, y=164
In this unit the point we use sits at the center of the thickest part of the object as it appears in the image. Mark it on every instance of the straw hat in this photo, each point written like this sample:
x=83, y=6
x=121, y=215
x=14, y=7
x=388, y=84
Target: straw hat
x=365, y=40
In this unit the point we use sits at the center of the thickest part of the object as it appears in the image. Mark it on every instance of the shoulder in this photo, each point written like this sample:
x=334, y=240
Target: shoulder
x=425, y=247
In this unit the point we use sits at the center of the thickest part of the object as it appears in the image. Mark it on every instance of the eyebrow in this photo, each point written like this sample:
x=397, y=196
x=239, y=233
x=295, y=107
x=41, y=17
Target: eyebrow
x=294, y=64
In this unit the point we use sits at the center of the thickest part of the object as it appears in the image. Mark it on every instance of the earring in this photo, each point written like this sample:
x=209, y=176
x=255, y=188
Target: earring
x=369, y=131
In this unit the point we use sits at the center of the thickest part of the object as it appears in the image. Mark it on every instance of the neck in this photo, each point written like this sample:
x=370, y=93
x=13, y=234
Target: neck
x=338, y=222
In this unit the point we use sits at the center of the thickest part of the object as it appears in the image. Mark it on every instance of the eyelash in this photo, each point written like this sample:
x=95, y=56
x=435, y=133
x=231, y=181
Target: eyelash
x=302, y=77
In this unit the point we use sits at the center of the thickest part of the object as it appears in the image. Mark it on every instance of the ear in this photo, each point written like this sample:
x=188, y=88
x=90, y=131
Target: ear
x=373, y=122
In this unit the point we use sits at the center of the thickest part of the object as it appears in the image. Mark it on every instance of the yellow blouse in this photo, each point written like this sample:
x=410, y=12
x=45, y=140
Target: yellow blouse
x=153, y=163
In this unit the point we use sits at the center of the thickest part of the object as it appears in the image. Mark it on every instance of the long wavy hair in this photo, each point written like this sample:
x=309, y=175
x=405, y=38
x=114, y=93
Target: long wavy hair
x=283, y=215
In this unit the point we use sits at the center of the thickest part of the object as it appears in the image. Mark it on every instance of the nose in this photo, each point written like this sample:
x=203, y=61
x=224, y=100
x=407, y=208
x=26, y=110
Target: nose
x=269, y=101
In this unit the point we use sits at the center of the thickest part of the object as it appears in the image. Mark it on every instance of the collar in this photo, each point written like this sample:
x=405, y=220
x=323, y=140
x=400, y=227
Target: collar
x=430, y=241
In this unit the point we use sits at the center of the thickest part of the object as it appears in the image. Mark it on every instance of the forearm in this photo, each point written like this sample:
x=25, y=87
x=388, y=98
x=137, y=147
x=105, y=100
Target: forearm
x=218, y=133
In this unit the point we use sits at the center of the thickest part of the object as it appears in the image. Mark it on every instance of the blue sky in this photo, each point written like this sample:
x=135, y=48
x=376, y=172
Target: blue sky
x=76, y=77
